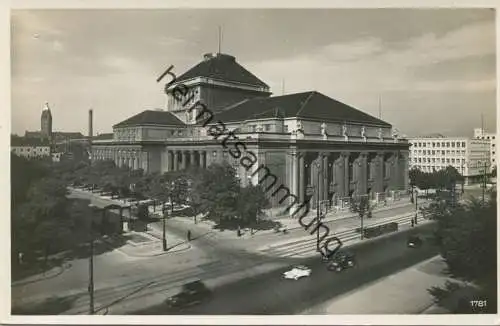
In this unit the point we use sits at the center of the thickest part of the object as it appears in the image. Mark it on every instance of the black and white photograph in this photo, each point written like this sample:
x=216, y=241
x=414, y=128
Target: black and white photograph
x=197, y=161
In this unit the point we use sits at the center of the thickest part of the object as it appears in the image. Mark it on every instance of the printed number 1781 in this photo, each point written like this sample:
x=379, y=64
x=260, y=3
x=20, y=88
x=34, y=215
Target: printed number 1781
x=478, y=303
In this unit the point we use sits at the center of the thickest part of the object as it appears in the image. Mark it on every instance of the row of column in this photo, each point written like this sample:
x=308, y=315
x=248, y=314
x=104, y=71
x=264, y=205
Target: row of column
x=131, y=158
x=176, y=160
x=332, y=176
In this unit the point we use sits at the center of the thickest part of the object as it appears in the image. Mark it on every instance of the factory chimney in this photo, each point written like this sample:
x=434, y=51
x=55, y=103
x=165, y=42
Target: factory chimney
x=90, y=124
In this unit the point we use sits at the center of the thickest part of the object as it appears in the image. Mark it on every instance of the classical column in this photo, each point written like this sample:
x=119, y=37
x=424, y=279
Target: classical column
x=176, y=160
x=347, y=182
x=301, y=177
x=192, y=161
x=379, y=172
x=405, y=170
x=203, y=159
x=320, y=175
x=136, y=161
x=362, y=173
x=394, y=182
x=326, y=180
x=183, y=160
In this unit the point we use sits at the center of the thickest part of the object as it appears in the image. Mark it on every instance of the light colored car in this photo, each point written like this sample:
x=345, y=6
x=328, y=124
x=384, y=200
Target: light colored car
x=297, y=272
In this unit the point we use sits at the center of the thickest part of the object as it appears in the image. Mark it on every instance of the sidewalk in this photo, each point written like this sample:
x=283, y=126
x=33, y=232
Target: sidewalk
x=288, y=223
x=149, y=244
x=401, y=293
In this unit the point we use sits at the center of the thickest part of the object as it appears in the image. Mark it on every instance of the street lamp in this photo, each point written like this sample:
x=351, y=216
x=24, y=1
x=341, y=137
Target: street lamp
x=416, y=206
x=318, y=211
x=91, y=260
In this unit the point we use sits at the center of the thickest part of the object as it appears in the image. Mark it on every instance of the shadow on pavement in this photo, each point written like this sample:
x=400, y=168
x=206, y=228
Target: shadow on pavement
x=51, y=306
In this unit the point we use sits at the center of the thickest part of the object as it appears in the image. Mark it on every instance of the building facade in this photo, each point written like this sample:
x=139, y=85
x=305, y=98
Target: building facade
x=30, y=147
x=479, y=133
x=306, y=143
x=467, y=155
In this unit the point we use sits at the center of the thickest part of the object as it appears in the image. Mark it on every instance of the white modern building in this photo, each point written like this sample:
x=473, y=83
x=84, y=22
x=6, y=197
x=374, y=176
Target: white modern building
x=480, y=133
x=468, y=156
x=30, y=147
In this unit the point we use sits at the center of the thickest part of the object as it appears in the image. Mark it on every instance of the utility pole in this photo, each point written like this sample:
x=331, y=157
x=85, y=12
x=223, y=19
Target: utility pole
x=362, y=220
x=164, y=237
x=318, y=215
x=379, y=107
x=416, y=207
x=484, y=180
x=220, y=38
x=91, y=264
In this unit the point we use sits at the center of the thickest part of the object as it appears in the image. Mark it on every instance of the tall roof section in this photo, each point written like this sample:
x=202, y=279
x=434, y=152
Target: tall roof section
x=151, y=117
x=222, y=67
x=308, y=105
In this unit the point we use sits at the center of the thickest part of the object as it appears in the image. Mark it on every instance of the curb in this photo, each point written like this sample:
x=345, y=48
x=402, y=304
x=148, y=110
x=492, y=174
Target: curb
x=174, y=249
x=60, y=270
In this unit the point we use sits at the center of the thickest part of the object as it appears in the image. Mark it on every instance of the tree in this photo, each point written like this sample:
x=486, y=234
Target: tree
x=251, y=202
x=494, y=172
x=467, y=236
x=42, y=223
x=218, y=191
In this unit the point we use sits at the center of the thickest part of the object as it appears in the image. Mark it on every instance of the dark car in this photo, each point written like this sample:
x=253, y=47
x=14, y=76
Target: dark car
x=414, y=241
x=342, y=260
x=192, y=293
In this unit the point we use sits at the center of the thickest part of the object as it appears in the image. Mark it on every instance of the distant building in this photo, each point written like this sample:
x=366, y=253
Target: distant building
x=46, y=131
x=467, y=155
x=479, y=133
x=46, y=122
x=30, y=147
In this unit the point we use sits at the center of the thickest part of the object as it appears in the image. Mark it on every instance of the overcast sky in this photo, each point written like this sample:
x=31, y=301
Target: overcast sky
x=433, y=69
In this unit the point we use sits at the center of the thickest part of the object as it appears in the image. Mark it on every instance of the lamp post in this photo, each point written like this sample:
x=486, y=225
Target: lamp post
x=164, y=236
x=416, y=206
x=91, y=261
x=318, y=213
x=165, y=214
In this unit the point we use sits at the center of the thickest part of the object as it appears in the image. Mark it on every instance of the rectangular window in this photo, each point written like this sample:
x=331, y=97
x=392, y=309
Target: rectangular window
x=447, y=144
x=447, y=160
x=438, y=144
x=267, y=127
x=442, y=160
x=433, y=152
x=463, y=144
x=424, y=144
x=442, y=152
x=453, y=160
x=285, y=128
x=452, y=144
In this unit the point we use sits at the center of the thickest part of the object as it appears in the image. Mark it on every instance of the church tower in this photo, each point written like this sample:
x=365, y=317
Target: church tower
x=46, y=122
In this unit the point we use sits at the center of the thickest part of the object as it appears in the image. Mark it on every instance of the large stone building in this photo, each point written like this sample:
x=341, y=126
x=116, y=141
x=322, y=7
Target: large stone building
x=311, y=143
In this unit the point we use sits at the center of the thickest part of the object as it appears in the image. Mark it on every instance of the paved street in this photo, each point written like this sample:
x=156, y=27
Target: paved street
x=121, y=280
x=404, y=292
x=268, y=293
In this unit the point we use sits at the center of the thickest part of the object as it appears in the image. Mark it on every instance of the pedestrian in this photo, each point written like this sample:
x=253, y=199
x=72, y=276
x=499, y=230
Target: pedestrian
x=189, y=235
x=412, y=222
x=20, y=258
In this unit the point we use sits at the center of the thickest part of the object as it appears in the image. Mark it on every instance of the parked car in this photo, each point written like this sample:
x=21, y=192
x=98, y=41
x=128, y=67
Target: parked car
x=414, y=241
x=192, y=293
x=297, y=272
x=342, y=260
